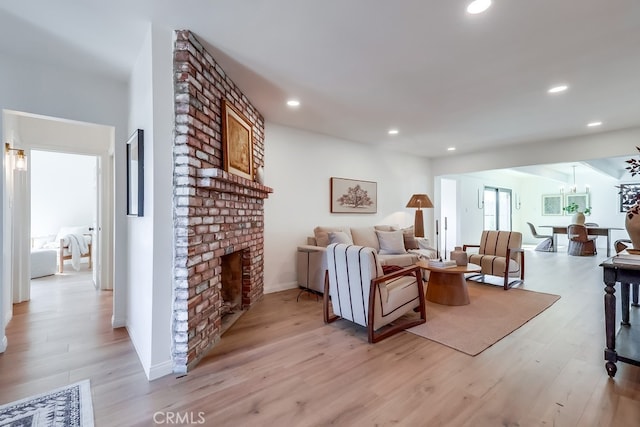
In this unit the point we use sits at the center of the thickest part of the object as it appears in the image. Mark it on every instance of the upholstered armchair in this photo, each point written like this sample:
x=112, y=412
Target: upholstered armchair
x=357, y=290
x=500, y=254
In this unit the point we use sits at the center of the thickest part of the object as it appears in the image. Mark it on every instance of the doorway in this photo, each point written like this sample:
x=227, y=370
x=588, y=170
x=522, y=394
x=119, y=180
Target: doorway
x=32, y=133
x=497, y=208
x=63, y=201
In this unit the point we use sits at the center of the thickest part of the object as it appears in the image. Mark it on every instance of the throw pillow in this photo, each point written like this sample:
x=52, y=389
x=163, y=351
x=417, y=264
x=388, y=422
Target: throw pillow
x=391, y=242
x=322, y=234
x=386, y=269
x=339, y=237
x=365, y=236
x=410, y=242
x=423, y=243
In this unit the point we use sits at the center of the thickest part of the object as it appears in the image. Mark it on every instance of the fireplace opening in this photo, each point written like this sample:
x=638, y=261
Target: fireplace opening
x=231, y=292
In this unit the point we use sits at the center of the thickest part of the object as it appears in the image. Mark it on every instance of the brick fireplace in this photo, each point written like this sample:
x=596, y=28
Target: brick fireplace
x=218, y=216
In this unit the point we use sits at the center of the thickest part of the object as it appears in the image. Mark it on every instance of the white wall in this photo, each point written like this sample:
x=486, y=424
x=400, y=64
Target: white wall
x=39, y=88
x=162, y=202
x=298, y=166
x=469, y=195
x=588, y=147
x=529, y=189
x=63, y=191
x=139, y=245
x=150, y=238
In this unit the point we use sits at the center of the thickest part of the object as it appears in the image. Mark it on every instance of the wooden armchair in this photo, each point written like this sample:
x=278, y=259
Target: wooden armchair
x=499, y=254
x=64, y=252
x=357, y=290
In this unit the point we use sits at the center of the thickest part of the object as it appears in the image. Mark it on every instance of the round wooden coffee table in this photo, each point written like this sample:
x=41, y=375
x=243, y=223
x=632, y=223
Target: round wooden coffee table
x=448, y=286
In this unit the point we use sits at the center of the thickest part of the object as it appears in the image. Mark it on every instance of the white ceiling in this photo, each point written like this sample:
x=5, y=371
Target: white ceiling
x=359, y=67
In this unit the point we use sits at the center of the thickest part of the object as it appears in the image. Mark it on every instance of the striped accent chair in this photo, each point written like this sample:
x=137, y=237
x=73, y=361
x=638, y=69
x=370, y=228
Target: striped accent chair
x=356, y=289
x=499, y=254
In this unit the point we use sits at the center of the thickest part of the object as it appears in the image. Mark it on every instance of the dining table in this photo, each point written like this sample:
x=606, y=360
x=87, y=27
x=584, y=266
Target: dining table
x=591, y=231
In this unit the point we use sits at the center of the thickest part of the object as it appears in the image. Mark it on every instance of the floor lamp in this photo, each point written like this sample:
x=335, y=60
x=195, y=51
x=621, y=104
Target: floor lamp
x=419, y=201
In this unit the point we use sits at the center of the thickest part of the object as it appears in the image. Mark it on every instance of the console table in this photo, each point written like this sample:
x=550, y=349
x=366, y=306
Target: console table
x=306, y=288
x=623, y=346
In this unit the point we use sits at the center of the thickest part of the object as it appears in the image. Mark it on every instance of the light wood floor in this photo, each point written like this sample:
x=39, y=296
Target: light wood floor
x=281, y=366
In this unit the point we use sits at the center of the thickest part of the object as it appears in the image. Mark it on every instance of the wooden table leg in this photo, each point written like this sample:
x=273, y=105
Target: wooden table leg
x=624, y=303
x=447, y=288
x=610, y=354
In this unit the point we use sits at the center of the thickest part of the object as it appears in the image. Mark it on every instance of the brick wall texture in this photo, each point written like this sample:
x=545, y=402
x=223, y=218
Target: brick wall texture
x=215, y=212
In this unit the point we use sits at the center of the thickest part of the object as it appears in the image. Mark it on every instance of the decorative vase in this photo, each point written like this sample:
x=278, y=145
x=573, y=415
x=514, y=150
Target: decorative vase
x=632, y=224
x=577, y=218
x=459, y=256
x=260, y=175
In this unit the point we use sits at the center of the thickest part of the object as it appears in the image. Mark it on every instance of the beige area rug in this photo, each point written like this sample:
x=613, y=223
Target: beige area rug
x=492, y=315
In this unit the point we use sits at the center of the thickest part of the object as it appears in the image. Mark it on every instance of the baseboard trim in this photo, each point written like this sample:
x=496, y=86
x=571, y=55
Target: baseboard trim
x=281, y=287
x=117, y=323
x=160, y=370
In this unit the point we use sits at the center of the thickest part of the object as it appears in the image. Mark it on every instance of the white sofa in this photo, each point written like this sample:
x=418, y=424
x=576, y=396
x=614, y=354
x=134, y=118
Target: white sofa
x=393, y=246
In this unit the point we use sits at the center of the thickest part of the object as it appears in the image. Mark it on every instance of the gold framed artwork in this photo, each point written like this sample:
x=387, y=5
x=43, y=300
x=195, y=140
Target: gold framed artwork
x=353, y=196
x=237, y=142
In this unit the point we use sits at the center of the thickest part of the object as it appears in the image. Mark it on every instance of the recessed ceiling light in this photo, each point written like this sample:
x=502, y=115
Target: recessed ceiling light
x=594, y=124
x=293, y=103
x=558, y=89
x=451, y=149
x=478, y=6
x=393, y=131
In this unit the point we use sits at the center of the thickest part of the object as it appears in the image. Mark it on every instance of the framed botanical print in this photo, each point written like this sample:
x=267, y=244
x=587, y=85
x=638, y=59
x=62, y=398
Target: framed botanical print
x=580, y=199
x=353, y=196
x=552, y=204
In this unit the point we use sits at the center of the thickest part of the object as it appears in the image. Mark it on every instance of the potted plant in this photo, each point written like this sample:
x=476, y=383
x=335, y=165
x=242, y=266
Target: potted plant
x=632, y=218
x=578, y=215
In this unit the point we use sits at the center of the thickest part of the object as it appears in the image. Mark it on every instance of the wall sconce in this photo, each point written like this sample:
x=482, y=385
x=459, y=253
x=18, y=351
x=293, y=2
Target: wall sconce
x=518, y=203
x=21, y=159
x=480, y=200
x=419, y=201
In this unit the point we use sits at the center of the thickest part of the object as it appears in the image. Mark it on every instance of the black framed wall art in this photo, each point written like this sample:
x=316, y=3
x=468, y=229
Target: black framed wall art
x=135, y=174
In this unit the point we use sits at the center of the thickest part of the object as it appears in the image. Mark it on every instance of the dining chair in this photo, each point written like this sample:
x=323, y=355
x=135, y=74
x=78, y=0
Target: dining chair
x=546, y=245
x=580, y=244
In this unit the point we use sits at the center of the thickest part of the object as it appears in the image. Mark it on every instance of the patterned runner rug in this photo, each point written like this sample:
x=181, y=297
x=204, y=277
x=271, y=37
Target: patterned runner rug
x=68, y=406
